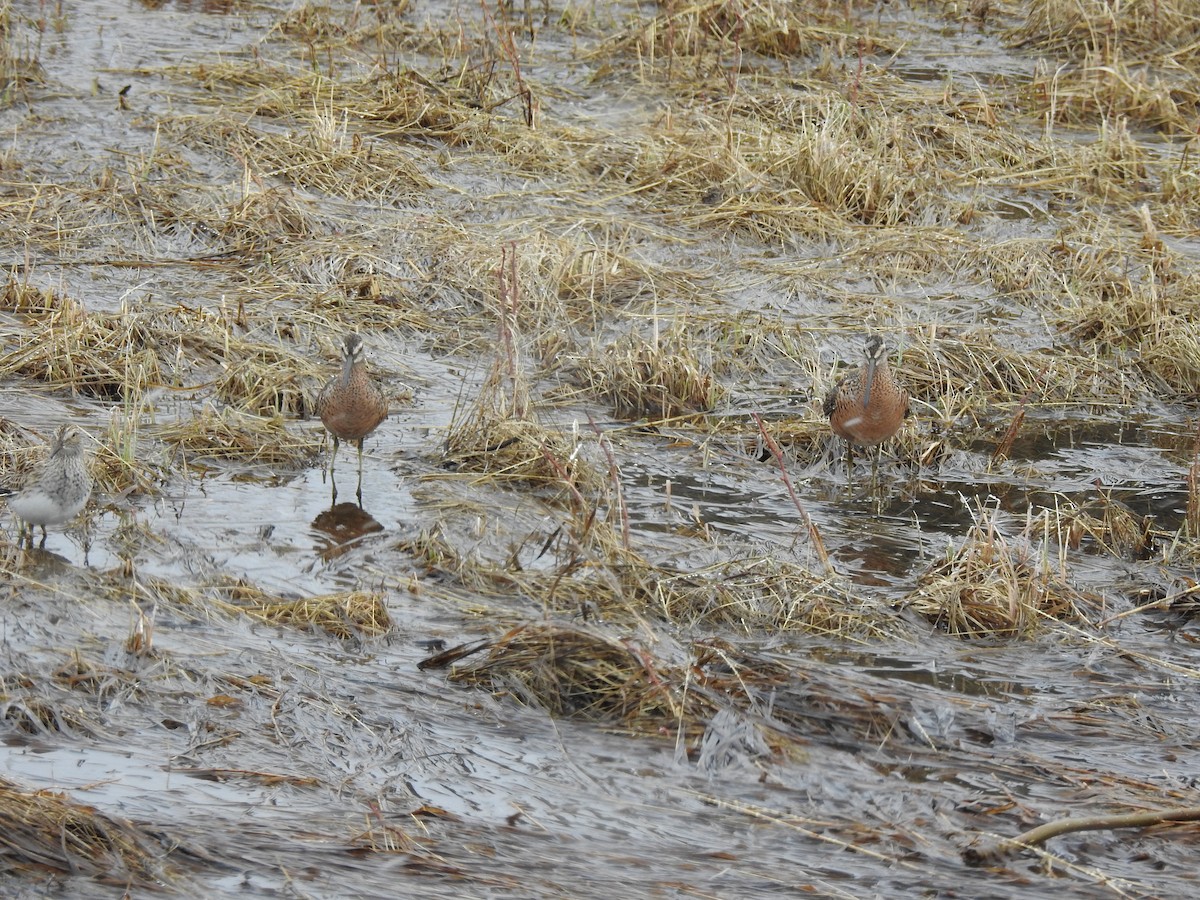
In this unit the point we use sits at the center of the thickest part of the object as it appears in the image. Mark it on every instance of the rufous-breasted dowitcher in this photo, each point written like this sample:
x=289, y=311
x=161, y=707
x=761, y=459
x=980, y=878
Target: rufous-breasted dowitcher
x=56, y=490
x=351, y=405
x=868, y=406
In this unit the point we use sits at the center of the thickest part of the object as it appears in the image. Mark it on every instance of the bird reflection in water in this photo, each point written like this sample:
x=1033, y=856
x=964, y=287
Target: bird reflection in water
x=345, y=523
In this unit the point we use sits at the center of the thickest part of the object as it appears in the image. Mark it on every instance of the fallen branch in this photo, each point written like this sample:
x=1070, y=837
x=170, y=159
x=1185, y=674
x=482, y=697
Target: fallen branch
x=973, y=856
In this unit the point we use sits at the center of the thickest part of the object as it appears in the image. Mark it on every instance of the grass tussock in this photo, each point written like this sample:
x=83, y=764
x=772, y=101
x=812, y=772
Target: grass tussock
x=325, y=156
x=100, y=355
x=1135, y=59
x=587, y=673
x=585, y=272
x=404, y=101
x=586, y=571
x=497, y=434
x=345, y=614
x=518, y=450
x=232, y=434
x=1144, y=30
x=268, y=379
x=681, y=37
x=1101, y=88
x=872, y=170
x=549, y=286
x=21, y=296
x=992, y=587
x=660, y=377
x=362, y=294
x=962, y=375
x=1141, y=319
x=18, y=68
x=46, y=830
x=24, y=712
x=1104, y=523
x=756, y=594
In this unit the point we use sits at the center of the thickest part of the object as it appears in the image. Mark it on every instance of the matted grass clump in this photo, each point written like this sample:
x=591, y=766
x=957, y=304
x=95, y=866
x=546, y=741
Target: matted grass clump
x=590, y=573
x=22, y=296
x=267, y=379
x=586, y=673
x=1135, y=59
x=46, y=831
x=29, y=708
x=678, y=35
x=404, y=100
x=231, y=434
x=325, y=157
x=497, y=435
x=518, y=450
x=659, y=377
x=98, y=354
x=991, y=587
x=344, y=614
x=1142, y=318
x=757, y=594
x=1144, y=29
x=1105, y=524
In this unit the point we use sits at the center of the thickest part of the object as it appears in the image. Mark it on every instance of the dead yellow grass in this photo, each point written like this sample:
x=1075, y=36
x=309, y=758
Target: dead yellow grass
x=345, y=614
x=994, y=586
x=46, y=830
x=104, y=356
x=587, y=673
x=230, y=434
x=661, y=377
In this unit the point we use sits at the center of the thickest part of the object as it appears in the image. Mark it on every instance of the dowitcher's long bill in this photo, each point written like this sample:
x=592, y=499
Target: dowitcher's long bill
x=58, y=489
x=351, y=405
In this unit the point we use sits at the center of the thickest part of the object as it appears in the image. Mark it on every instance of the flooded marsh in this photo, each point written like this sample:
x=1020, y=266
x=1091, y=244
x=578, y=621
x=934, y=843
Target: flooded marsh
x=613, y=616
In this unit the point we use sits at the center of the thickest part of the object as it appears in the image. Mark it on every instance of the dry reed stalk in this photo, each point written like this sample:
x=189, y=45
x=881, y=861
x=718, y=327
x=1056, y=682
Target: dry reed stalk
x=1014, y=426
x=1192, y=515
x=1029, y=840
x=814, y=536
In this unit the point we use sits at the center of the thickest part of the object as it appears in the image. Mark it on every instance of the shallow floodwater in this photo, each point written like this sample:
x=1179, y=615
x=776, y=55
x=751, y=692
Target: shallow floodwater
x=283, y=762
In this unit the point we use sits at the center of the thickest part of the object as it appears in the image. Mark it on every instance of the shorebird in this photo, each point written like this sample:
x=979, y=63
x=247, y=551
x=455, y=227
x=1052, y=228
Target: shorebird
x=351, y=405
x=868, y=406
x=55, y=491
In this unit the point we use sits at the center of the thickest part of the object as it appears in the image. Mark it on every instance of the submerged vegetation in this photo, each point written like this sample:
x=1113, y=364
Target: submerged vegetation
x=621, y=251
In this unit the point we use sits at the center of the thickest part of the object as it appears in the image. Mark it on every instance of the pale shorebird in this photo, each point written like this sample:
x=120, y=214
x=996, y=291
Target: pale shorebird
x=351, y=405
x=58, y=489
x=868, y=406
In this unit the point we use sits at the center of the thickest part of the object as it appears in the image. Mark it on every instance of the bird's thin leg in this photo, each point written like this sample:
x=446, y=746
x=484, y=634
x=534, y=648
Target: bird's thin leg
x=360, y=453
x=42, y=544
